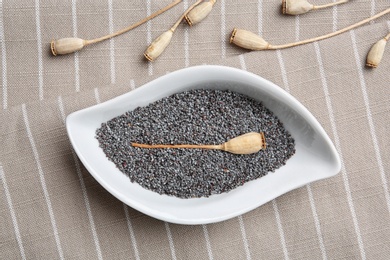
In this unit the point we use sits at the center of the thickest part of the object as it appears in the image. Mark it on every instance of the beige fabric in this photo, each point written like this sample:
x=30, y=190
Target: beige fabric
x=51, y=207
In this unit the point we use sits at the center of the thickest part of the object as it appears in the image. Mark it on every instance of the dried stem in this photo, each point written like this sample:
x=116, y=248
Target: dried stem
x=194, y=146
x=243, y=144
x=173, y=28
x=275, y=47
x=87, y=42
x=329, y=5
x=387, y=37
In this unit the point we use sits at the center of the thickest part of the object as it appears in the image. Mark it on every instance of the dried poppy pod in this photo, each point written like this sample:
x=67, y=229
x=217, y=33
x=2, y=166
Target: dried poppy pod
x=244, y=144
x=248, y=40
x=66, y=45
x=251, y=41
x=295, y=7
x=375, y=54
x=70, y=45
x=199, y=12
x=158, y=45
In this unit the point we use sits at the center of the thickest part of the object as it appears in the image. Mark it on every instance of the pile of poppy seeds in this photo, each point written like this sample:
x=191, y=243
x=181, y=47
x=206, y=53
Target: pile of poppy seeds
x=194, y=117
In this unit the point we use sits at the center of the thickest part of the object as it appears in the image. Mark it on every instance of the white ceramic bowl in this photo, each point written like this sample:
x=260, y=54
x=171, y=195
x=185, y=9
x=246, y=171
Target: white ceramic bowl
x=315, y=157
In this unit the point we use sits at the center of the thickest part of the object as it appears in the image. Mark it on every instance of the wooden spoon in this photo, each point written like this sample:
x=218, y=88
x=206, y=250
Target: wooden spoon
x=243, y=144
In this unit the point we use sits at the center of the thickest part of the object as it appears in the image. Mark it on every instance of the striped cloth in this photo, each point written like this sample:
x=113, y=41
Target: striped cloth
x=51, y=207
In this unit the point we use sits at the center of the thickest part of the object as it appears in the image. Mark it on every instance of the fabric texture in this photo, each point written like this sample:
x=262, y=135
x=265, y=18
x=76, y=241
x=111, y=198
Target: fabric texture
x=52, y=208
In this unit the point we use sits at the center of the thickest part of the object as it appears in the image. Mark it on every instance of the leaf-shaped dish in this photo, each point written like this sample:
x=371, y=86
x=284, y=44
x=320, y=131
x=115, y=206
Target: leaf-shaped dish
x=315, y=158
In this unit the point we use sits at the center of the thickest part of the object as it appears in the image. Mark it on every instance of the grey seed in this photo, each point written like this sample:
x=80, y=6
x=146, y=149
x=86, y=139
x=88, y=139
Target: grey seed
x=194, y=117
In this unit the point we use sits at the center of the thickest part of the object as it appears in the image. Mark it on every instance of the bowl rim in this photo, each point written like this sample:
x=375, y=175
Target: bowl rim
x=265, y=84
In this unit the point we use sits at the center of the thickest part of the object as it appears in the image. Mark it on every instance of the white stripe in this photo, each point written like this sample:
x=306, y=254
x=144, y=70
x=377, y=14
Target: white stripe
x=244, y=238
x=372, y=10
x=12, y=212
x=260, y=17
x=280, y=229
x=83, y=188
x=283, y=70
x=223, y=29
x=297, y=28
x=74, y=17
x=208, y=244
x=338, y=147
x=43, y=182
x=76, y=72
x=285, y=82
x=132, y=84
x=112, y=43
x=76, y=55
x=129, y=225
x=316, y=222
x=4, y=58
x=97, y=96
x=242, y=61
x=310, y=194
x=186, y=41
x=62, y=110
x=39, y=45
x=371, y=122
x=149, y=33
x=89, y=212
x=131, y=230
x=274, y=204
x=170, y=240
x=335, y=17
x=186, y=48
